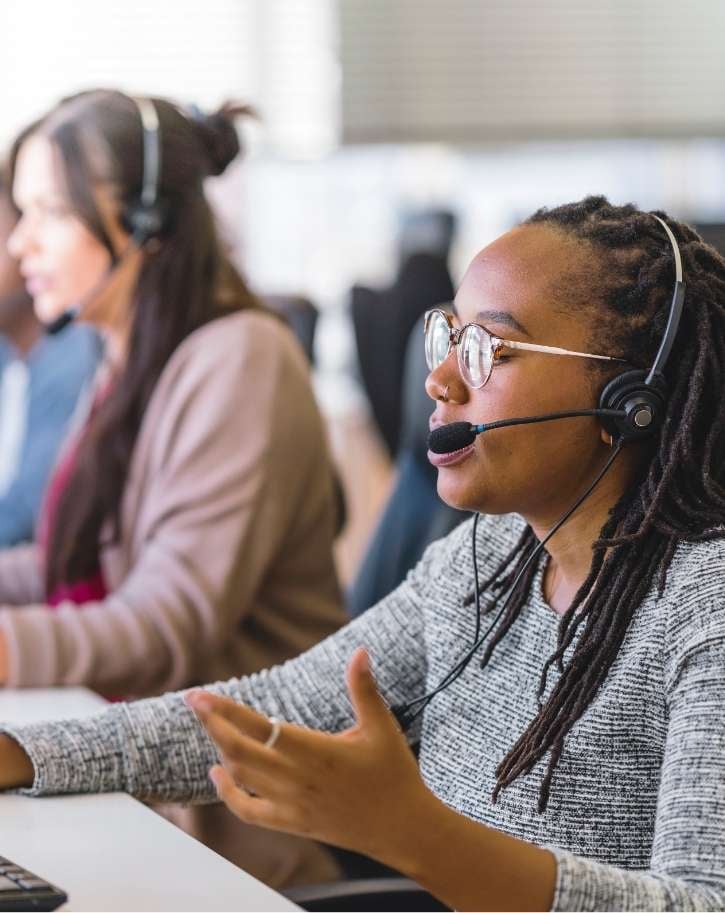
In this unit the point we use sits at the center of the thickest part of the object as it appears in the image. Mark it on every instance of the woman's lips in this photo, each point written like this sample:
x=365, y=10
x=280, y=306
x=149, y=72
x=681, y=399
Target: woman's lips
x=35, y=285
x=450, y=459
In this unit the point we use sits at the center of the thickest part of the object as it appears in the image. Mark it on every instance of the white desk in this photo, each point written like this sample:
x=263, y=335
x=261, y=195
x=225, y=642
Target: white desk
x=110, y=852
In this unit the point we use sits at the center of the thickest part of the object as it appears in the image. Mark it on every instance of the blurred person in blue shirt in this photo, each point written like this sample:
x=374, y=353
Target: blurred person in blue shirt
x=41, y=379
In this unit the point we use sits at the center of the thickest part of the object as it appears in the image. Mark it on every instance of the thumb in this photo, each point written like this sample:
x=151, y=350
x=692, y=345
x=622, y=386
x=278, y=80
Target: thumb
x=370, y=708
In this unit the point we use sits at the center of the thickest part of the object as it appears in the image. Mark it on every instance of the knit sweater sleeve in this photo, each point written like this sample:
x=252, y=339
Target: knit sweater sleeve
x=687, y=867
x=156, y=748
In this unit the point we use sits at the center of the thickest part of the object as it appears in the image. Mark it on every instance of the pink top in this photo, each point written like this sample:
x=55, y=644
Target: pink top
x=80, y=591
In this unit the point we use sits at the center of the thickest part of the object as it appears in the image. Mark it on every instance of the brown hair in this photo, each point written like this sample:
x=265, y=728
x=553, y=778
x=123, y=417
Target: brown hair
x=185, y=281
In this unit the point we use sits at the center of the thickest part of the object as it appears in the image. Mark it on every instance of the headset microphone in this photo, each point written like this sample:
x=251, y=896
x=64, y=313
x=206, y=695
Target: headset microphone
x=69, y=315
x=458, y=435
x=60, y=323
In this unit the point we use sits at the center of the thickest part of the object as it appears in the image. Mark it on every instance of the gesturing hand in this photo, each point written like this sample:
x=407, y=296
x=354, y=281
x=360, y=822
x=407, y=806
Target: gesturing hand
x=359, y=789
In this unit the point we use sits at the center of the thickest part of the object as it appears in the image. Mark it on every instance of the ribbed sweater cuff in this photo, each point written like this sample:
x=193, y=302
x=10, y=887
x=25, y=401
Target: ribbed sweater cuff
x=71, y=759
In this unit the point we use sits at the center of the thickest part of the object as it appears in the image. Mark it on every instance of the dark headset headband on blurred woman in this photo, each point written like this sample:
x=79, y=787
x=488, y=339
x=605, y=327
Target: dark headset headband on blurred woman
x=144, y=217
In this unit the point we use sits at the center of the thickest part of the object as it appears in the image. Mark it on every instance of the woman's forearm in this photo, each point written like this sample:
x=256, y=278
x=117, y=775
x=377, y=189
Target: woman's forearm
x=472, y=867
x=16, y=769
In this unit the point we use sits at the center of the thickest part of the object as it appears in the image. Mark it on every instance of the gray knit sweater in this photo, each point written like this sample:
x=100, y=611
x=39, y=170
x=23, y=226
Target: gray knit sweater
x=636, y=816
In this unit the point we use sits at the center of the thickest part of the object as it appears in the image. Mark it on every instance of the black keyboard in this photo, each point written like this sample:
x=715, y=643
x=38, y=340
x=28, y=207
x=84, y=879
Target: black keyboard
x=21, y=890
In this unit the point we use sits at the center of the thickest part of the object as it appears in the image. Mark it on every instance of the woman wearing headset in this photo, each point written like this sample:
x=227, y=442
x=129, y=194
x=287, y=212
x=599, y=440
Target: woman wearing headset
x=179, y=541
x=576, y=760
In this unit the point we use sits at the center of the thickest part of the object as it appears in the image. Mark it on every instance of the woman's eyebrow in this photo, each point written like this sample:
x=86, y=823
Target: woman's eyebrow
x=504, y=317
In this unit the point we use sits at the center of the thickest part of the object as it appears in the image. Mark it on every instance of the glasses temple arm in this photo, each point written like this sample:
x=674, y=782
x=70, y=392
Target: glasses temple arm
x=551, y=350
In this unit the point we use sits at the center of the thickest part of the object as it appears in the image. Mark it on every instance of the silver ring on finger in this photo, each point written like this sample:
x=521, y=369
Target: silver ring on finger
x=274, y=734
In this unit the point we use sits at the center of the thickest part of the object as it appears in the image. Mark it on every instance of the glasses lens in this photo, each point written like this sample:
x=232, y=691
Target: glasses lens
x=475, y=356
x=437, y=335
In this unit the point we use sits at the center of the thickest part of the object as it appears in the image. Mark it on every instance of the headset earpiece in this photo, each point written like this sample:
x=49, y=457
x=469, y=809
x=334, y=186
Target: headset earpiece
x=144, y=222
x=146, y=216
x=641, y=396
x=642, y=404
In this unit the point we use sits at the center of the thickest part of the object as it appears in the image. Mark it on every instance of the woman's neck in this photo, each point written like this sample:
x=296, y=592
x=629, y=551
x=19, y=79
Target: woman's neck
x=115, y=329
x=570, y=548
x=111, y=311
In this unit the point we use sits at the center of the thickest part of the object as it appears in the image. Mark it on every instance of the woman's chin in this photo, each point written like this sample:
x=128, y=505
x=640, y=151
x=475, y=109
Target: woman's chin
x=47, y=308
x=455, y=494
x=472, y=494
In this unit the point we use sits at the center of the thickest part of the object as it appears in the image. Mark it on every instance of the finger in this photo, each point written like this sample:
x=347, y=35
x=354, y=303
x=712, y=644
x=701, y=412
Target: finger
x=250, y=809
x=251, y=763
x=370, y=708
x=291, y=739
x=234, y=743
x=261, y=769
x=253, y=724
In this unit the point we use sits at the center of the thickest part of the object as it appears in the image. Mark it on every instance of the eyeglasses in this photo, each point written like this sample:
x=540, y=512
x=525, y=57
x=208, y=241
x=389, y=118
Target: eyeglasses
x=477, y=348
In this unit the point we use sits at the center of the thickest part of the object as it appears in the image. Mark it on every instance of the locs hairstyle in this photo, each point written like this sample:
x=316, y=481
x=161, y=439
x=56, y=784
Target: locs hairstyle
x=680, y=495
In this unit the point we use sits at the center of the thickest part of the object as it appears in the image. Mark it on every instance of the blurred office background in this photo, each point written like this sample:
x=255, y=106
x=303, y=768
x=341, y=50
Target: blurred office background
x=380, y=120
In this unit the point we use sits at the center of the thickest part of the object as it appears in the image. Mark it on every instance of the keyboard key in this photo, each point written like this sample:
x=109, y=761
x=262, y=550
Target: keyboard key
x=23, y=890
x=34, y=884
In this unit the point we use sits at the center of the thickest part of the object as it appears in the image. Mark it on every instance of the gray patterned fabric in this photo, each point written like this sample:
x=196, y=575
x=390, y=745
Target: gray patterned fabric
x=636, y=817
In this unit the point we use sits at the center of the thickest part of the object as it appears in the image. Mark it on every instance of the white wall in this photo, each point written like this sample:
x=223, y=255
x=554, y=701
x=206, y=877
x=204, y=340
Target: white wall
x=277, y=53
x=472, y=70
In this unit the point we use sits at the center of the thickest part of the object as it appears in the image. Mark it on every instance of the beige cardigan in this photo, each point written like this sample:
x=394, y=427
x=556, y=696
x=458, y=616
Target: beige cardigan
x=225, y=561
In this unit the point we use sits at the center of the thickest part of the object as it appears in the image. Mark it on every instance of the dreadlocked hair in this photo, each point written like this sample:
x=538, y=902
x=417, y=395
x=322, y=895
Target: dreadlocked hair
x=680, y=493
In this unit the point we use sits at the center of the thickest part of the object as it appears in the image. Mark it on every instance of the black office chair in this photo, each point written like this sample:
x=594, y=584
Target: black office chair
x=414, y=516
x=382, y=320
x=365, y=894
x=301, y=315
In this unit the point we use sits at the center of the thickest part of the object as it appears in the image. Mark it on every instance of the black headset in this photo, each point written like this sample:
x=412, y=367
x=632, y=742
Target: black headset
x=146, y=217
x=641, y=396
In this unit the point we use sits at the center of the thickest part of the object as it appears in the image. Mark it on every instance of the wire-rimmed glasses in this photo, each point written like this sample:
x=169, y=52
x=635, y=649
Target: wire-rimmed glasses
x=478, y=348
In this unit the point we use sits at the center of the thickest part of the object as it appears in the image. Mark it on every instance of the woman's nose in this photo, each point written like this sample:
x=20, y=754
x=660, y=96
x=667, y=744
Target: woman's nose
x=444, y=384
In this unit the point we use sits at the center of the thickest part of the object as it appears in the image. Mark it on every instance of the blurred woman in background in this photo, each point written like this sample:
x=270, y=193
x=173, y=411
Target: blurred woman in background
x=187, y=532
x=41, y=378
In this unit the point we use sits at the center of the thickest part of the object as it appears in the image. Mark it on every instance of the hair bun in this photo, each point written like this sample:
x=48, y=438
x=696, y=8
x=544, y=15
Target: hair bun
x=218, y=134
